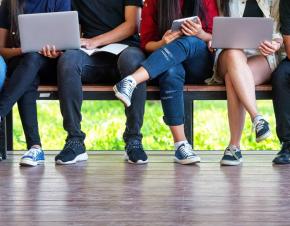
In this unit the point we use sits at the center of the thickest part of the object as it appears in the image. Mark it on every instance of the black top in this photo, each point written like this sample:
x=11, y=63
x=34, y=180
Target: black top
x=285, y=16
x=252, y=9
x=101, y=16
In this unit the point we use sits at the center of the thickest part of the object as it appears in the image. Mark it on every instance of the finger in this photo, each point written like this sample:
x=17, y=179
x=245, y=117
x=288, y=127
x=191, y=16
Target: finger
x=44, y=51
x=53, y=52
x=266, y=48
x=269, y=45
x=186, y=33
x=186, y=29
x=48, y=51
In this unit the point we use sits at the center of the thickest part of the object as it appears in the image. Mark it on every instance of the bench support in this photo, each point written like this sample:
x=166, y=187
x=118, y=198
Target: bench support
x=3, y=140
x=188, y=121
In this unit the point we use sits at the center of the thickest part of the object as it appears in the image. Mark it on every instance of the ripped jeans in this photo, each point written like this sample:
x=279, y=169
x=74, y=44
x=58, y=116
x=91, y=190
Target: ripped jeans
x=183, y=61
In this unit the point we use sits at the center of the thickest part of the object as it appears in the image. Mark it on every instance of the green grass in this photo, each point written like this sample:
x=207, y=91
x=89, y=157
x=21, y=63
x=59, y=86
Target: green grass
x=104, y=123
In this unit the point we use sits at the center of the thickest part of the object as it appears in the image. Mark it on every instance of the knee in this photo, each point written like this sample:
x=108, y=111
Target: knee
x=31, y=59
x=281, y=76
x=130, y=60
x=232, y=54
x=68, y=62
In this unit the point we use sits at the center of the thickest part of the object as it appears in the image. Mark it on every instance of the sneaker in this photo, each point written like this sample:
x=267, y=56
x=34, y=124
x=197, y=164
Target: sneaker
x=124, y=90
x=262, y=129
x=232, y=157
x=283, y=156
x=185, y=155
x=135, y=154
x=74, y=151
x=33, y=157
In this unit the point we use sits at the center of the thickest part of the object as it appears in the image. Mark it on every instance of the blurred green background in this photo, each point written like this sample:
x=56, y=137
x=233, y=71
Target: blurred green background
x=104, y=123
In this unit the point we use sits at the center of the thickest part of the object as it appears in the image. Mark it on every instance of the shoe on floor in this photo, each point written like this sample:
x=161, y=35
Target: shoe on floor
x=135, y=154
x=124, y=90
x=74, y=151
x=283, y=156
x=33, y=157
x=185, y=155
x=232, y=156
x=262, y=128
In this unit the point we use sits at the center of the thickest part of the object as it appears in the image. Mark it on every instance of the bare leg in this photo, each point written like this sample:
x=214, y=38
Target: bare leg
x=178, y=133
x=237, y=88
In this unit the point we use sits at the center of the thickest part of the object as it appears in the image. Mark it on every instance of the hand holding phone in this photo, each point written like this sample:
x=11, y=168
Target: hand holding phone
x=177, y=24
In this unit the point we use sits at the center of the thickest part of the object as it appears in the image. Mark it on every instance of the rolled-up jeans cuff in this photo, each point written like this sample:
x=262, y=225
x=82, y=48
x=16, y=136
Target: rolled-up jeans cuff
x=173, y=121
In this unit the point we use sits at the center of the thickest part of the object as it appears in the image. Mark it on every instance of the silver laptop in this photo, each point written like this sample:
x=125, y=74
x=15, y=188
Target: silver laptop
x=241, y=33
x=60, y=29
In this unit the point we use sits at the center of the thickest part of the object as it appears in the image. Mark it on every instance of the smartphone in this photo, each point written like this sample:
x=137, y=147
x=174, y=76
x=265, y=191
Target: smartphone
x=176, y=24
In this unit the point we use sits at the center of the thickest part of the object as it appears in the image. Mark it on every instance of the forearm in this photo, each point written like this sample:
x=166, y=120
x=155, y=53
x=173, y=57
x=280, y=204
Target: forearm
x=154, y=45
x=287, y=45
x=122, y=32
x=8, y=53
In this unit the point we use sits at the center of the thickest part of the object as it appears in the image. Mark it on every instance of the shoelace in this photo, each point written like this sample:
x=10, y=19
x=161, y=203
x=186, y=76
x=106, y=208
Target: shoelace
x=133, y=146
x=228, y=151
x=258, y=126
x=127, y=87
x=186, y=150
x=33, y=152
x=70, y=144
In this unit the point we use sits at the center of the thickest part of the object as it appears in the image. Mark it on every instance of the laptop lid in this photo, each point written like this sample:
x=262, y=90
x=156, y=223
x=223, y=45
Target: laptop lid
x=59, y=28
x=241, y=33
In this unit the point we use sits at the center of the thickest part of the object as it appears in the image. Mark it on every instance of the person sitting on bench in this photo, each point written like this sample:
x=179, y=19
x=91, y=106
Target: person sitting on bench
x=177, y=57
x=102, y=23
x=23, y=70
x=281, y=89
x=242, y=70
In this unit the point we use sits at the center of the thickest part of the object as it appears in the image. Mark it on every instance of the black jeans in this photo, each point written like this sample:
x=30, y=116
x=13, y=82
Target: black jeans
x=23, y=73
x=76, y=68
x=281, y=100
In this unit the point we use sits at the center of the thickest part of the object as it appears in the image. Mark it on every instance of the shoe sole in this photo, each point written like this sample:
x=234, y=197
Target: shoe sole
x=264, y=137
x=79, y=158
x=27, y=162
x=187, y=161
x=231, y=163
x=121, y=97
x=139, y=162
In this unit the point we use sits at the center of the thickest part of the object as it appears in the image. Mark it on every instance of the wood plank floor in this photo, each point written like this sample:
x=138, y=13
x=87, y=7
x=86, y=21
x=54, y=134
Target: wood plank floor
x=107, y=191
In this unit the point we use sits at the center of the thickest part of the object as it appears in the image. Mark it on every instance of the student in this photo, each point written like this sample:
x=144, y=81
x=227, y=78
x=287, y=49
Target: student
x=178, y=57
x=2, y=72
x=23, y=70
x=102, y=23
x=242, y=70
x=281, y=89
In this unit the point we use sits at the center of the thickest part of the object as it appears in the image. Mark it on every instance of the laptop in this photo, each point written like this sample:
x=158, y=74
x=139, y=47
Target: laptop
x=60, y=29
x=241, y=33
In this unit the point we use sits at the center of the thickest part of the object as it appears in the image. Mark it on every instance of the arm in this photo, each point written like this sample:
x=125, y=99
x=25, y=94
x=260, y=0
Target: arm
x=7, y=52
x=123, y=31
x=287, y=45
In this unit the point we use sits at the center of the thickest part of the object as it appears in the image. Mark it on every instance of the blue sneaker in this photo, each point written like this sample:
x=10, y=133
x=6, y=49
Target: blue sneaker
x=124, y=90
x=232, y=156
x=33, y=157
x=185, y=155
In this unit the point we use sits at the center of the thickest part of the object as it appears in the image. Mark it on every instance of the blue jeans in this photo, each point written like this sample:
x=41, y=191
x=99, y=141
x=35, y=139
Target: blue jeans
x=185, y=60
x=2, y=72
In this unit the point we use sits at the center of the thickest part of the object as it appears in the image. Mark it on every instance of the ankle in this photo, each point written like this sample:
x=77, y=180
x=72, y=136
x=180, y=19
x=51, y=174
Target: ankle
x=178, y=143
x=256, y=118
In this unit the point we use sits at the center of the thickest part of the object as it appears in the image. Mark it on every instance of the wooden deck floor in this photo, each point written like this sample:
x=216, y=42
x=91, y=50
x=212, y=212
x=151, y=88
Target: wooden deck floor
x=106, y=191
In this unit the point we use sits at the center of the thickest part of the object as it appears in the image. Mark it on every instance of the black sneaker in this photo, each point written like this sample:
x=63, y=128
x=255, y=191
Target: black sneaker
x=135, y=153
x=232, y=157
x=124, y=90
x=283, y=156
x=74, y=151
x=262, y=129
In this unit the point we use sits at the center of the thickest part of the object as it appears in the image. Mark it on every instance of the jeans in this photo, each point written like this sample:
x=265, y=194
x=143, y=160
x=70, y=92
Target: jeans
x=22, y=88
x=76, y=68
x=2, y=72
x=281, y=100
x=185, y=60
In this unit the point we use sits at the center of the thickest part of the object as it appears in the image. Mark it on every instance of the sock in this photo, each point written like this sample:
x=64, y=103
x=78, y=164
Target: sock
x=233, y=147
x=130, y=78
x=257, y=118
x=177, y=144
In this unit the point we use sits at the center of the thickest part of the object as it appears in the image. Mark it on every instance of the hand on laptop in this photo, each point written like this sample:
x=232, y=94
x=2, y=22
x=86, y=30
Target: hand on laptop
x=268, y=48
x=50, y=52
x=190, y=28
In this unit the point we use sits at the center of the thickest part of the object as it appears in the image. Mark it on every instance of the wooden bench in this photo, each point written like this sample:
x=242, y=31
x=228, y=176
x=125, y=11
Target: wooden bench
x=93, y=92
